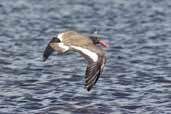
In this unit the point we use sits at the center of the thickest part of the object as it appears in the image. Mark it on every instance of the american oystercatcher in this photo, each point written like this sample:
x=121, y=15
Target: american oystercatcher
x=86, y=46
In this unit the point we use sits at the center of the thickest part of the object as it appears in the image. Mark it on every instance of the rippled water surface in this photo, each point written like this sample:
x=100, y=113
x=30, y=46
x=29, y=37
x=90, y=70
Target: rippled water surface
x=136, y=78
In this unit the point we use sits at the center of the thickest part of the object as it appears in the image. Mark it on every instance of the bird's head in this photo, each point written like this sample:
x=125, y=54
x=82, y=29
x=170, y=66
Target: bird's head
x=96, y=40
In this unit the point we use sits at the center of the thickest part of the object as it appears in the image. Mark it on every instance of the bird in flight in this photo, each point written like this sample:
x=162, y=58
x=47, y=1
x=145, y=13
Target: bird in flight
x=86, y=46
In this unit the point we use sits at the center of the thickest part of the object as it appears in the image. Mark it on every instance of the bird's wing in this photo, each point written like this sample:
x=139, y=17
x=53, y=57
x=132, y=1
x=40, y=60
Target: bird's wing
x=73, y=39
x=50, y=48
x=47, y=52
x=96, y=60
x=93, y=71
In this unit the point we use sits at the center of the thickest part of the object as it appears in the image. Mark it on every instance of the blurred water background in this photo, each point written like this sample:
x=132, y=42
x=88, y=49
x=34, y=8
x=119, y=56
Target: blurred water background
x=136, y=78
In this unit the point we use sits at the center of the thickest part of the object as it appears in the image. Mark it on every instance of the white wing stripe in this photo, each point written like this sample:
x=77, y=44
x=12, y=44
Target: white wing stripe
x=91, y=54
x=60, y=37
x=64, y=47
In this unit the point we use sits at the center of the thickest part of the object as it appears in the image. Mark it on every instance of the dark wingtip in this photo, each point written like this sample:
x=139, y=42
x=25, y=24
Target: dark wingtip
x=48, y=51
x=44, y=59
x=88, y=89
x=55, y=39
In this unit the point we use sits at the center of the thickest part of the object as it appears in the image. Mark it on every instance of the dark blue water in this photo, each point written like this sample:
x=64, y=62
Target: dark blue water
x=136, y=78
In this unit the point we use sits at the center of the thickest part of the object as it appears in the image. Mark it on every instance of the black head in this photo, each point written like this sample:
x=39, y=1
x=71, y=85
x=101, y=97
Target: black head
x=95, y=39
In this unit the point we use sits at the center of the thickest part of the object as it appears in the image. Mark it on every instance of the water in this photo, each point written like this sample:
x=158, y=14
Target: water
x=137, y=76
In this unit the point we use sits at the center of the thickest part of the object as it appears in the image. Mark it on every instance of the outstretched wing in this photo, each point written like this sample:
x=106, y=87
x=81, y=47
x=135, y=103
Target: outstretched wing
x=47, y=52
x=93, y=72
x=50, y=48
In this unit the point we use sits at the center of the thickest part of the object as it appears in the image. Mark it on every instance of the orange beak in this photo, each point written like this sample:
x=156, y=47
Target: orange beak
x=103, y=43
